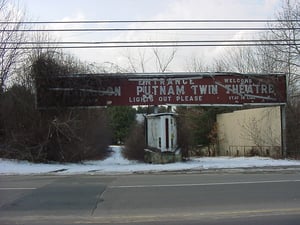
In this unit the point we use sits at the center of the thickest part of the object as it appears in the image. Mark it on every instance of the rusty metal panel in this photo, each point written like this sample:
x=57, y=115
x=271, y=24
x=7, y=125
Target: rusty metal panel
x=159, y=89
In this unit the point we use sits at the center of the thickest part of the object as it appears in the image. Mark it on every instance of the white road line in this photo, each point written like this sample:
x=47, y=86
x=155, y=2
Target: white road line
x=204, y=184
x=17, y=188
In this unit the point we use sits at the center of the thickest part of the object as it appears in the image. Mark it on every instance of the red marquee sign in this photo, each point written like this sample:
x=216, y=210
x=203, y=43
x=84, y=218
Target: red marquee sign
x=160, y=89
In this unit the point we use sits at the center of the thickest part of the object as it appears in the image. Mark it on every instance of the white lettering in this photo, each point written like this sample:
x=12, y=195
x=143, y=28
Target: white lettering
x=205, y=89
x=139, y=90
x=142, y=99
x=180, y=90
x=237, y=81
x=171, y=91
x=189, y=98
x=164, y=98
x=249, y=89
x=110, y=91
x=264, y=89
x=271, y=89
x=162, y=90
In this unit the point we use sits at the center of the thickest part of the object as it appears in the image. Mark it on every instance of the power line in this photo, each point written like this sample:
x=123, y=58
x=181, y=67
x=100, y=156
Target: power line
x=148, y=21
x=146, y=46
x=149, y=42
x=153, y=29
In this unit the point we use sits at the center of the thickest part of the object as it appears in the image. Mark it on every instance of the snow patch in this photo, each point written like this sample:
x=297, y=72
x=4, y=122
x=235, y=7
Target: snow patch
x=116, y=163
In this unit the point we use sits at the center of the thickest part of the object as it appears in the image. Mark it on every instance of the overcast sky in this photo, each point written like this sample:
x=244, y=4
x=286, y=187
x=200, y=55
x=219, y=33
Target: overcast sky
x=62, y=10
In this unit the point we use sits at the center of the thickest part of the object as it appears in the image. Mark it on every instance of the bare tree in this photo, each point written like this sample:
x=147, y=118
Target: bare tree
x=163, y=60
x=253, y=130
x=288, y=56
x=239, y=59
x=289, y=17
x=10, y=40
x=196, y=64
x=273, y=58
x=144, y=60
x=138, y=63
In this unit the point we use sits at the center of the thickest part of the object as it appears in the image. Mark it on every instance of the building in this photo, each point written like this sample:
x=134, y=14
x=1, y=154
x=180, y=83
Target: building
x=161, y=138
x=162, y=132
x=250, y=132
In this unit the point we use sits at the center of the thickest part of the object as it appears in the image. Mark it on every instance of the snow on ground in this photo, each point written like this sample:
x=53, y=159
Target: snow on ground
x=117, y=164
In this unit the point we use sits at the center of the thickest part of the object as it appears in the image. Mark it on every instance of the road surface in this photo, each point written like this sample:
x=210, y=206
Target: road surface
x=229, y=198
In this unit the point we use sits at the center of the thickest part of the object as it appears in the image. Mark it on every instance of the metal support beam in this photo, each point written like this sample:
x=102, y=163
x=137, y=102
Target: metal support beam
x=283, y=130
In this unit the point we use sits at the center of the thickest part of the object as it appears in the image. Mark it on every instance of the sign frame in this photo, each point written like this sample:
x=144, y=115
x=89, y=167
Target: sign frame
x=131, y=89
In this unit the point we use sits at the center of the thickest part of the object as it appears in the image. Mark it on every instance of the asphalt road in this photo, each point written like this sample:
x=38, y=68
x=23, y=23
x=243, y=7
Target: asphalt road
x=171, y=199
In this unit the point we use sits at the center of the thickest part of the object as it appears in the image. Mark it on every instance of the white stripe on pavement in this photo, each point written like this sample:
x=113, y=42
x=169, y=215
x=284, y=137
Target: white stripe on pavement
x=204, y=184
x=17, y=188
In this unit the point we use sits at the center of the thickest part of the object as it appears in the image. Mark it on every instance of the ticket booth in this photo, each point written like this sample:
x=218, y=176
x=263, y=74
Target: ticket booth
x=161, y=137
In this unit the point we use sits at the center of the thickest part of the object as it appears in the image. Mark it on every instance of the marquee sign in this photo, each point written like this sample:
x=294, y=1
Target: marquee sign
x=160, y=89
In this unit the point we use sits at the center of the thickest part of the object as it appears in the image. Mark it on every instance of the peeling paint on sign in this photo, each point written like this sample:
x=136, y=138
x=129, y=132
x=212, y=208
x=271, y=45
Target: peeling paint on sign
x=160, y=89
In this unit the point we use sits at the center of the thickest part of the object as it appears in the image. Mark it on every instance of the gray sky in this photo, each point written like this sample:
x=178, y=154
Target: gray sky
x=62, y=10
